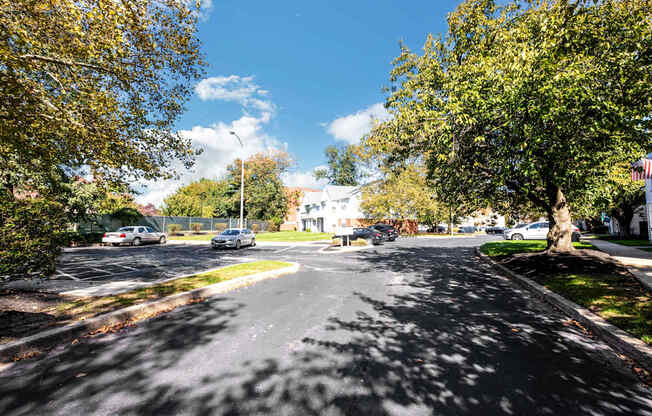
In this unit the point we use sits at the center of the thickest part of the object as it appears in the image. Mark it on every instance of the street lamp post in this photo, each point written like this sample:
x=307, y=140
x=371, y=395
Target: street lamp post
x=241, y=181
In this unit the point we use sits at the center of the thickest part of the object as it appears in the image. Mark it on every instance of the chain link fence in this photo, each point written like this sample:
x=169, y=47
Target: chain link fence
x=162, y=224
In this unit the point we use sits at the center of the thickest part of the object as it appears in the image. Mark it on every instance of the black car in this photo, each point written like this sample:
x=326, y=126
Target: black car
x=388, y=231
x=495, y=230
x=368, y=234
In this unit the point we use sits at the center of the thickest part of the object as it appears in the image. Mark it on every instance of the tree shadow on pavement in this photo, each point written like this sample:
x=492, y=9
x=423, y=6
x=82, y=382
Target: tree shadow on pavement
x=107, y=366
x=448, y=337
x=452, y=339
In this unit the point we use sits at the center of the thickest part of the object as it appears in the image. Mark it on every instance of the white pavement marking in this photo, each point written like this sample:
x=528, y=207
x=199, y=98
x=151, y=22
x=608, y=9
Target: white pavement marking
x=285, y=249
x=126, y=267
x=67, y=275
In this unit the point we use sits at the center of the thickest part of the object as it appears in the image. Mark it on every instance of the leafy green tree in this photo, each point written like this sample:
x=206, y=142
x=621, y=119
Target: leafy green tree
x=403, y=194
x=529, y=102
x=93, y=86
x=620, y=197
x=343, y=166
x=265, y=197
x=204, y=195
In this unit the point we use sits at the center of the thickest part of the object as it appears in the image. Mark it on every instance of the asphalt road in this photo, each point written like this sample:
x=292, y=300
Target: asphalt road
x=417, y=327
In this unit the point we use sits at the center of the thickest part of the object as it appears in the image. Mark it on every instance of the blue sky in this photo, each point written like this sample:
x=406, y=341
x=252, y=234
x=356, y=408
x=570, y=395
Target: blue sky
x=294, y=75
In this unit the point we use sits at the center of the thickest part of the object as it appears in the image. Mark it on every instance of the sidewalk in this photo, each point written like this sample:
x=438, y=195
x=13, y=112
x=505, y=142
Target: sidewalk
x=639, y=262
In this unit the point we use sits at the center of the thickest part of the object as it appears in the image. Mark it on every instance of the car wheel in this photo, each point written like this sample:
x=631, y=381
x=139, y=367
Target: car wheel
x=237, y=245
x=162, y=240
x=575, y=238
x=136, y=241
x=253, y=243
x=517, y=237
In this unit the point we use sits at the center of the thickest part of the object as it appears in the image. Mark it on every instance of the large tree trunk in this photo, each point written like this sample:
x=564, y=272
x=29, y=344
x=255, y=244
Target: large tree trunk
x=624, y=216
x=561, y=230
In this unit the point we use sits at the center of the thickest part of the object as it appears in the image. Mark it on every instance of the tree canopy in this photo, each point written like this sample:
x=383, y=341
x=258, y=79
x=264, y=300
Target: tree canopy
x=525, y=103
x=343, y=166
x=403, y=194
x=95, y=85
x=87, y=86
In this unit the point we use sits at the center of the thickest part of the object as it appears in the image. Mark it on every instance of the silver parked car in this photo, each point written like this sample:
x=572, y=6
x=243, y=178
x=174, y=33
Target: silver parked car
x=234, y=237
x=134, y=235
x=535, y=231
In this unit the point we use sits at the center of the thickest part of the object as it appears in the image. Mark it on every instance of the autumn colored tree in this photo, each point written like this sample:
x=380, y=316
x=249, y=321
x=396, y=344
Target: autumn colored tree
x=403, y=194
x=526, y=102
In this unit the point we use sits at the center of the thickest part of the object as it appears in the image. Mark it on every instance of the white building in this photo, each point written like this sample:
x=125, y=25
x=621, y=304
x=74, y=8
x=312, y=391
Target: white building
x=334, y=206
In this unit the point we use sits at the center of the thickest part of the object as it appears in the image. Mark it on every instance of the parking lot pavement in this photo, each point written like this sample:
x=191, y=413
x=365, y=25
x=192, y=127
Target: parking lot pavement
x=84, y=268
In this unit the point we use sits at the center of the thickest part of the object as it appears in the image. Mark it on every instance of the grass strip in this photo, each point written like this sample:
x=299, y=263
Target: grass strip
x=618, y=298
x=87, y=307
x=621, y=302
x=626, y=242
x=507, y=247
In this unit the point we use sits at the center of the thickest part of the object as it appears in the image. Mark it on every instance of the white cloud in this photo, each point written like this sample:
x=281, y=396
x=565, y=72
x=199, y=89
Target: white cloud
x=234, y=88
x=220, y=149
x=351, y=128
x=304, y=179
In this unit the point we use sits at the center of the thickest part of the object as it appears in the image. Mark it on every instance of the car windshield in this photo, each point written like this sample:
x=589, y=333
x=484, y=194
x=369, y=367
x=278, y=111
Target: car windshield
x=520, y=226
x=127, y=229
x=231, y=232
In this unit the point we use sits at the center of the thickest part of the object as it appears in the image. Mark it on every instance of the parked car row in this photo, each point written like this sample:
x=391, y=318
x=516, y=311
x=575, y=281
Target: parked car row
x=135, y=235
x=375, y=234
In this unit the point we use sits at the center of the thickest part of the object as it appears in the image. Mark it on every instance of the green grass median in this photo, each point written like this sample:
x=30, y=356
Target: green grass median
x=507, y=247
x=592, y=280
x=87, y=307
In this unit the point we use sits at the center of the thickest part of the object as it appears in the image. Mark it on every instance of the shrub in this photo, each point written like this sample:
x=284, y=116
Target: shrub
x=174, y=228
x=307, y=230
x=196, y=226
x=220, y=226
x=359, y=242
x=255, y=228
x=336, y=242
x=32, y=232
x=275, y=223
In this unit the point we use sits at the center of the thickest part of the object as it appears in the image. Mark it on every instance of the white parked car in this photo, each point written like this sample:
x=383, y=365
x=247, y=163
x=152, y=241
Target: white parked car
x=234, y=237
x=134, y=235
x=535, y=231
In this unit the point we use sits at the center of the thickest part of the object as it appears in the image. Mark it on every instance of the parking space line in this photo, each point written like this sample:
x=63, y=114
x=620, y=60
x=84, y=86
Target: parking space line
x=285, y=249
x=68, y=275
x=126, y=267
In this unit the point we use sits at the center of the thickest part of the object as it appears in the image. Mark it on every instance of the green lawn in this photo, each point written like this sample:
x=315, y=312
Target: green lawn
x=87, y=307
x=507, y=247
x=615, y=296
x=629, y=243
x=280, y=236
x=624, y=305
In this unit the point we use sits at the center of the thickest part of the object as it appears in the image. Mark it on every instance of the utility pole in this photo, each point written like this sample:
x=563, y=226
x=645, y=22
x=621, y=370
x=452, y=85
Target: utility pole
x=241, y=181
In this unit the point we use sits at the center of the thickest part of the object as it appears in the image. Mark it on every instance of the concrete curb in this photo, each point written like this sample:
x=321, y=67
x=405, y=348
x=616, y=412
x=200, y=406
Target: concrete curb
x=616, y=338
x=32, y=344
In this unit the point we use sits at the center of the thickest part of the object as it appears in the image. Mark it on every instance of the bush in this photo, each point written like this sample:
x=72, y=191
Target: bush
x=307, y=230
x=359, y=242
x=275, y=223
x=220, y=226
x=196, y=227
x=336, y=242
x=255, y=228
x=174, y=228
x=32, y=232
